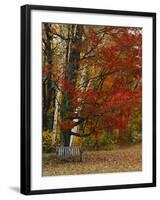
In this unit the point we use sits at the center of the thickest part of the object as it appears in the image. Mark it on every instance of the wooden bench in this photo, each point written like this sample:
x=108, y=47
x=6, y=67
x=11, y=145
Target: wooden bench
x=66, y=153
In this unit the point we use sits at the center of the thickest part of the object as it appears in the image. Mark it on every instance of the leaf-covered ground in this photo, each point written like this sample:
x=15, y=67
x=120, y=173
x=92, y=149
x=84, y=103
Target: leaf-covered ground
x=120, y=160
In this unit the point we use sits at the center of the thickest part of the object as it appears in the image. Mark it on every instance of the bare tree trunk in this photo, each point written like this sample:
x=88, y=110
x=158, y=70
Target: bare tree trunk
x=56, y=116
x=73, y=57
x=47, y=89
x=79, y=128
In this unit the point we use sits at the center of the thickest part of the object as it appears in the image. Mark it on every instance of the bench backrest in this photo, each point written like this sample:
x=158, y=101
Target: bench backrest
x=66, y=152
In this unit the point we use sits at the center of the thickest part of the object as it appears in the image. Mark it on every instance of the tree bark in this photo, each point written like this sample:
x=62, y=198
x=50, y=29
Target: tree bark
x=47, y=88
x=56, y=116
x=72, y=61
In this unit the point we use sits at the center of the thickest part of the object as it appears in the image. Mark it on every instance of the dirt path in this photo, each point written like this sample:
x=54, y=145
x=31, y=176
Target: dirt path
x=120, y=160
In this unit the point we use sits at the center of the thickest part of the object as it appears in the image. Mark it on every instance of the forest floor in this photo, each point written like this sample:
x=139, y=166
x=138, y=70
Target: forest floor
x=125, y=159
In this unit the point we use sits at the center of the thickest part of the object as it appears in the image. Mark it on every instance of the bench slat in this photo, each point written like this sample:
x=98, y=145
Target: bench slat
x=68, y=152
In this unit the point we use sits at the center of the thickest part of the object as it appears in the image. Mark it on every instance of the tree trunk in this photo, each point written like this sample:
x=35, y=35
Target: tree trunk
x=56, y=116
x=72, y=62
x=47, y=88
x=80, y=128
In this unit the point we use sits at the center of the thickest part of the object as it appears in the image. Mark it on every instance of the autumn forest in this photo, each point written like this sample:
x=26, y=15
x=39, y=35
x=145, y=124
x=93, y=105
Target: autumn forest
x=92, y=99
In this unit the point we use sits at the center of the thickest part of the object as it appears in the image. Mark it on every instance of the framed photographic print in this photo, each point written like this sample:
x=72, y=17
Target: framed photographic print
x=88, y=99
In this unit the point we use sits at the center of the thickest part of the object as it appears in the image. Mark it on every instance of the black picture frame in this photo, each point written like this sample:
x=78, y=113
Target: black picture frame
x=26, y=98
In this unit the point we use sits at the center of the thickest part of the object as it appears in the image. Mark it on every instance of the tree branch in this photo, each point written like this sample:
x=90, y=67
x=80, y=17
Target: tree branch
x=60, y=36
x=101, y=75
x=80, y=135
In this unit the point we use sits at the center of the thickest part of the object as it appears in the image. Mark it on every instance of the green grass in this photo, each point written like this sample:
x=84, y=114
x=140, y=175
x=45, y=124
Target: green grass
x=125, y=159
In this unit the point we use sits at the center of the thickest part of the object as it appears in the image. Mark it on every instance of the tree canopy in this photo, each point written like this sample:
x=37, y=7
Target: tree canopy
x=92, y=79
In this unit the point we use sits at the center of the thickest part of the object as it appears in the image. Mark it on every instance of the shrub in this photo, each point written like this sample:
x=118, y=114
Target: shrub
x=109, y=140
x=105, y=141
x=135, y=137
x=47, y=142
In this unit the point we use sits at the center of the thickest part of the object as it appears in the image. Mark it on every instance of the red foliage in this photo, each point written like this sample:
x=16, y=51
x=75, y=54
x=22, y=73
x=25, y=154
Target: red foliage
x=114, y=104
x=67, y=125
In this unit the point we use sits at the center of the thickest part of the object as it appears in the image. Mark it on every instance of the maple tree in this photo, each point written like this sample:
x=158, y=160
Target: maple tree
x=97, y=72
